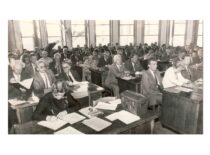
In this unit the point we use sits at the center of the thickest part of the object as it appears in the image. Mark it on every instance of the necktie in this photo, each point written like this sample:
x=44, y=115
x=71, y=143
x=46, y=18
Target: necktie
x=46, y=83
x=70, y=79
x=134, y=69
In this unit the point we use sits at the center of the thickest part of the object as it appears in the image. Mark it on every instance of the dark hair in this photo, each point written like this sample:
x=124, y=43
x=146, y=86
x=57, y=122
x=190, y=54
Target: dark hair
x=152, y=59
x=64, y=86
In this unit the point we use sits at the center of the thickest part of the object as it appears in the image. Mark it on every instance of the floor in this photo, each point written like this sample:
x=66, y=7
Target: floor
x=159, y=129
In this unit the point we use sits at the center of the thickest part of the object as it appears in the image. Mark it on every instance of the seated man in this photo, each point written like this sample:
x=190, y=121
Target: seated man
x=17, y=75
x=30, y=67
x=173, y=76
x=105, y=60
x=43, y=79
x=56, y=104
x=188, y=72
x=133, y=64
x=151, y=84
x=117, y=69
x=45, y=58
x=69, y=74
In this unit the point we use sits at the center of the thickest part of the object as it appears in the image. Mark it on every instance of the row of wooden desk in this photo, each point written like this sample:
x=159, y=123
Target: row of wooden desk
x=142, y=126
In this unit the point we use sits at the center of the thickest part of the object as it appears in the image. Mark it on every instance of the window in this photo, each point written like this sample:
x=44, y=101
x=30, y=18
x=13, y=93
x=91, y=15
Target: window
x=179, y=32
x=78, y=33
x=54, y=31
x=200, y=34
x=102, y=32
x=27, y=34
x=151, y=31
x=126, y=32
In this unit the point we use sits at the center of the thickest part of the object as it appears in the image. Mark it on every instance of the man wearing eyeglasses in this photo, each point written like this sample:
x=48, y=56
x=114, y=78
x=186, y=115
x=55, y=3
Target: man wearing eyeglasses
x=43, y=79
x=69, y=74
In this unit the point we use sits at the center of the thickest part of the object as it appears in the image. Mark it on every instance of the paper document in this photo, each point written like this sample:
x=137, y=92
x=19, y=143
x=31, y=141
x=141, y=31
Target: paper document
x=72, y=118
x=53, y=125
x=78, y=95
x=117, y=101
x=26, y=83
x=15, y=102
x=106, y=106
x=184, y=89
x=96, y=123
x=124, y=116
x=106, y=99
x=68, y=130
x=90, y=112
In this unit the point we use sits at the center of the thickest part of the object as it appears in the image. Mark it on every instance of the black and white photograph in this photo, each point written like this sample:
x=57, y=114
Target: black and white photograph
x=105, y=76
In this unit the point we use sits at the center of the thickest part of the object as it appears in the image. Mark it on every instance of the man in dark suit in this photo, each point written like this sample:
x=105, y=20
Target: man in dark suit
x=105, y=60
x=152, y=84
x=117, y=69
x=69, y=74
x=133, y=64
x=43, y=79
x=188, y=72
x=56, y=104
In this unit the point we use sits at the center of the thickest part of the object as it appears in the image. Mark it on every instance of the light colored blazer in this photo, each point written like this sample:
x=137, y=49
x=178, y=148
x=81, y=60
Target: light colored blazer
x=113, y=73
x=38, y=83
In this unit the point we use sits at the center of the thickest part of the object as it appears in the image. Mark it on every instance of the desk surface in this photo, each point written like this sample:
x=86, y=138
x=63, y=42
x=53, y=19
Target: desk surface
x=116, y=127
x=133, y=84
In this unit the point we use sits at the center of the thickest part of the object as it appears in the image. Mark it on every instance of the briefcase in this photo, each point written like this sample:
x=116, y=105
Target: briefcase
x=134, y=102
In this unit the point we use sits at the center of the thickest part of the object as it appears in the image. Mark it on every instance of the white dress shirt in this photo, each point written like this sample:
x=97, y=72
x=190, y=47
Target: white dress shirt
x=154, y=76
x=171, y=78
x=72, y=77
x=17, y=77
x=45, y=79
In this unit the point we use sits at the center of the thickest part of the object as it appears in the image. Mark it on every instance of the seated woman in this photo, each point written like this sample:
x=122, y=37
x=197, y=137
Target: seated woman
x=56, y=104
x=173, y=76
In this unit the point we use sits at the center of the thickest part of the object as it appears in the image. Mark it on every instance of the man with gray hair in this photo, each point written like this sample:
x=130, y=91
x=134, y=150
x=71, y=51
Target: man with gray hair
x=43, y=79
x=17, y=75
x=117, y=69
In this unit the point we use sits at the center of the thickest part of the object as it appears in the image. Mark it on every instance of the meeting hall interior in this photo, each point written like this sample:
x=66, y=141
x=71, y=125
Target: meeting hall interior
x=105, y=76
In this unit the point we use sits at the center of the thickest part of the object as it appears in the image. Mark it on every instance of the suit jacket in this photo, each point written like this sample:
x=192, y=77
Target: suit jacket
x=103, y=63
x=129, y=66
x=38, y=83
x=54, y=70
x=64, y=77
x=48, y=105
x=29, y=71
x=148, y=83
x=191, y=75
x=14, y=89
x=113, y=73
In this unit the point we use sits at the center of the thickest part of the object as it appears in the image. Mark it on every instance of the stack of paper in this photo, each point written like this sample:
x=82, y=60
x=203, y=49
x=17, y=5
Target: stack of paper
x=78, y=95
x=96, y=123
x=68, y=130
x=184, y=89
x=54, y=125
x=90, y=112
x=72, y=118
x=124, y=116
x=116, y=101
x=15, y=102
x=106, y=99
x=106, y=106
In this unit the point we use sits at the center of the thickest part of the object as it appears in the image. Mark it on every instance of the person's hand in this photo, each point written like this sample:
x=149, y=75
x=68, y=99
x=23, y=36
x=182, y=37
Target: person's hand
x=51, y=118
x=61, y=114
x=12, y=80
